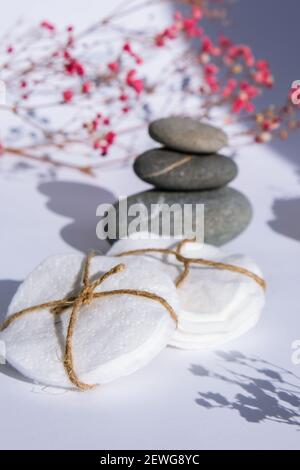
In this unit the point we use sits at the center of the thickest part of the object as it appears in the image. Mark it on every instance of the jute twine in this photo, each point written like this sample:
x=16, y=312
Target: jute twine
x=186, y=262
x=84, y=297
x=87, y=294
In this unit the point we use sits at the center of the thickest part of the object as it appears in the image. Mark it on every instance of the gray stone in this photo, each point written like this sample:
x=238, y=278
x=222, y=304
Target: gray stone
x=188, y=135
x=227, y=212
x=175, y=171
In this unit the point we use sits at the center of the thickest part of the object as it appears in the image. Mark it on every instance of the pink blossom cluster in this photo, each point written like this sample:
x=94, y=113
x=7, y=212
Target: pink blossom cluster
x=115, y=88
x=246, y=75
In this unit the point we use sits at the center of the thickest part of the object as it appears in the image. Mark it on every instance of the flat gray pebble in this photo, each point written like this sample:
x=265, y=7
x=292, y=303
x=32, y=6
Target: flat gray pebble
x=174, y=171
x=227, y=212
x=188, y=135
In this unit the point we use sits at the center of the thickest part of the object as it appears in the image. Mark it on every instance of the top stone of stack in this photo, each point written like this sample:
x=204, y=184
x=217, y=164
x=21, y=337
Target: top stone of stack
x=185, y=134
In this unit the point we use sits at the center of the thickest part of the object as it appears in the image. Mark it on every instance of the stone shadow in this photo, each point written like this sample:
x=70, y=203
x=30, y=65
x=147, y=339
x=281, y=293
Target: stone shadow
x=286, y=217
x=78, y=201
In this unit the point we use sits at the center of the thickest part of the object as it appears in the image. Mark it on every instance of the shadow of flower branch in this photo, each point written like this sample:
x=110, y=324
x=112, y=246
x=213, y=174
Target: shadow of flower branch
x=265, y=392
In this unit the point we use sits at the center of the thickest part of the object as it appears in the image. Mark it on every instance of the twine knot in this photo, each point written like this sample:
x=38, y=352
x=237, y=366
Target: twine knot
x=85, y=296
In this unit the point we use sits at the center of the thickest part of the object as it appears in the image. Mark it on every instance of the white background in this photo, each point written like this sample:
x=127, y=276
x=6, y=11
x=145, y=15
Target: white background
x=156, y=407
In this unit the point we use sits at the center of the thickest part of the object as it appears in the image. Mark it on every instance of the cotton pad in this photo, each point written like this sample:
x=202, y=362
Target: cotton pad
x=114, y=336
x=243, y=320
x=216, y=305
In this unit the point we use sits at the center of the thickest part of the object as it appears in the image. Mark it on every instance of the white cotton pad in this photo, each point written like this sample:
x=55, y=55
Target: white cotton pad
x=114, y=336
x=243, y=320
x=215, y=305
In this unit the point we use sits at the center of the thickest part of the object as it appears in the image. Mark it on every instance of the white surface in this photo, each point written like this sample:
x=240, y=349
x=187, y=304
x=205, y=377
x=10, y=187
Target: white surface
x=113, y=337
x=160, y=406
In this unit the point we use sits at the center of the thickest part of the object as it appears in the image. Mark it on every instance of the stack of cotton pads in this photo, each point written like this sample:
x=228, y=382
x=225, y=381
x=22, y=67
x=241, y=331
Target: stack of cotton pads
x=114, y=336
x=117, y=335
x=215, y=305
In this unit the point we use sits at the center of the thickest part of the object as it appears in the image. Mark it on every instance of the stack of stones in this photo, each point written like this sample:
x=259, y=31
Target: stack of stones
x=188, y=169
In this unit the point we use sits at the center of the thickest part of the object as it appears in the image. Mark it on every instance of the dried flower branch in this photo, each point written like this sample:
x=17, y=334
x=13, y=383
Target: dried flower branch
x=83, y=93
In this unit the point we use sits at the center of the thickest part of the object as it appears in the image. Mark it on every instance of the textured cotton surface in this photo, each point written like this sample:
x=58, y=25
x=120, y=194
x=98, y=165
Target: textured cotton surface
x=114, y=336
x=215, y=305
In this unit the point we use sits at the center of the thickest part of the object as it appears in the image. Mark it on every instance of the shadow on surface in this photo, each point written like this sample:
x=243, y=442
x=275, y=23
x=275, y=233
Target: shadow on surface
x=8, y=370
x=286, y=217
x=258, y=24
x=265, y=392
x=79, y=202
x=8, y=289
x=271, y=29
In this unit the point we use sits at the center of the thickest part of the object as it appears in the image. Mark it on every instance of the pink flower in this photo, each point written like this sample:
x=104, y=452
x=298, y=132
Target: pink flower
x=197, y=12
x=123, y=97
x=243, y=100
x=237, y=105
x=80, y=69
x=177, y=15
x=135, y=83
x=138, y=59
x=211, y=69
x=95, y=123
x=229, y=88
x=191, y=28
x=47, y=25
x=114, y=66
x=262, y=74
x=73, y=66
x=212, y=82
x=250, y=90
x=224, y=42
x=102, y=145
x=241, y=50
x=160, y=40
x=86, y=87
x=110, y=137
x=209, y=48
x=68, y=96
x=169, y=33
x=127, y=48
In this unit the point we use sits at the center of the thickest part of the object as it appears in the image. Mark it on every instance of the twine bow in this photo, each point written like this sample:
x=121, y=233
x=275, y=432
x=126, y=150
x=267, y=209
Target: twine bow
x=84, y=297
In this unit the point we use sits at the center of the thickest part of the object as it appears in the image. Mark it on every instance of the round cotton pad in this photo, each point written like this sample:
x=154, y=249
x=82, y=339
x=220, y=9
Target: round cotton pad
x=114, y=336
x=242, y=320
x=215, y=304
